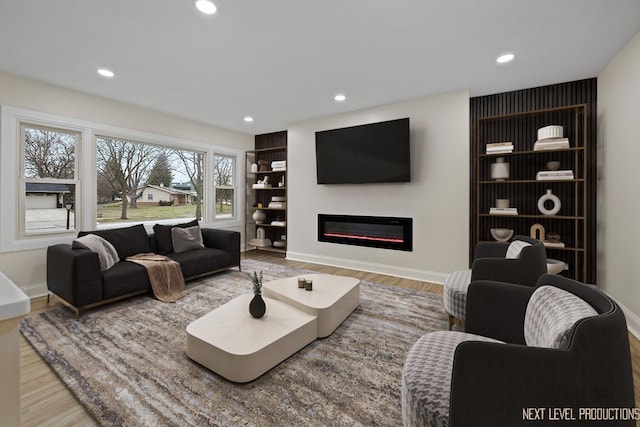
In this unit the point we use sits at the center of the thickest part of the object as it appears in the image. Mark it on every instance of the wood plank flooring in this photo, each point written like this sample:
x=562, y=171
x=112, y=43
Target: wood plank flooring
x=46, y=401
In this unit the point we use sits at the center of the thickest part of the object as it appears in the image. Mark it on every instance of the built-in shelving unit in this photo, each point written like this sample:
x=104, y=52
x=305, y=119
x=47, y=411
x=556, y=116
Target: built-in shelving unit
x=575, y=221
x=268, y=233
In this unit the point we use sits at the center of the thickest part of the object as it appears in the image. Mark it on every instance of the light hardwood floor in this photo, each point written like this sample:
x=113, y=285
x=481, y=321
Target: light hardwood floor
x=46, y=401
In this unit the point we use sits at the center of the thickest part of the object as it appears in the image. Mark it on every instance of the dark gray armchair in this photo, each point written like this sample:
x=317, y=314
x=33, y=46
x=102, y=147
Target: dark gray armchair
x=561, y=346
x=521, y=262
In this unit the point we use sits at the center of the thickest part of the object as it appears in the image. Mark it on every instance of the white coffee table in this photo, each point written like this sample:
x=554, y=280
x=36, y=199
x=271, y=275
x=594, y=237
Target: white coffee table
x=240, y=348
x=332, y=299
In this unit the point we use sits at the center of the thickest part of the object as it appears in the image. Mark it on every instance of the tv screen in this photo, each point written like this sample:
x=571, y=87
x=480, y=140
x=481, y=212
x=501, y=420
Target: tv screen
x=371, y=153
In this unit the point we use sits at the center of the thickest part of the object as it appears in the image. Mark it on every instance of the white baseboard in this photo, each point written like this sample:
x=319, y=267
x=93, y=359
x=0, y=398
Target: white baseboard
x=389, y=270
x=35, y=290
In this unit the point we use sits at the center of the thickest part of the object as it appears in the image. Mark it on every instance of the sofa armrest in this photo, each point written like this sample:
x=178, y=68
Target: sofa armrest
x=74, y=275
x=226, y=240
x=497, y=310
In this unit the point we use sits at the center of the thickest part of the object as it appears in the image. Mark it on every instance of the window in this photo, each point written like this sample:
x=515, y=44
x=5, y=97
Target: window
x=126, y=169
x=59, y=175
x=224, y=172
x=49, y=178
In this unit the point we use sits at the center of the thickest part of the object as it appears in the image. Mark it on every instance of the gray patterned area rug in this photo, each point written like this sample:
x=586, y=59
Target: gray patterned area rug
x=126, y=362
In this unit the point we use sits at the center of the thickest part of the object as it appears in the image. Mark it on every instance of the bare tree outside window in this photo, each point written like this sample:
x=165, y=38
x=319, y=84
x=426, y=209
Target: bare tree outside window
x=125, y=166
x=223, y=177
x=193, y=167
x=135, y=182
x=49, y=176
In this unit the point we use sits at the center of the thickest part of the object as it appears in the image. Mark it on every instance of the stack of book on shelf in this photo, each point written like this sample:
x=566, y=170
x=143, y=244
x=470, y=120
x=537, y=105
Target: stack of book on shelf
x=551, y=144
x=278, y=202
x=503, y=211
x=279, y=165
x=551, y=138
x=261, y=185
x=499, y=147
x=553, y=243
x=554, y=175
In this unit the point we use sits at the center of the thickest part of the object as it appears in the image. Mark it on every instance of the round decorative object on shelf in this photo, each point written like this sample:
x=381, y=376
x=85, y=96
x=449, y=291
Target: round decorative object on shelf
x=550, y=132
x=501, y=234
x=549, y=197
x=500, y=170
x=259, y=216
x=502, y=203
x=254, y=168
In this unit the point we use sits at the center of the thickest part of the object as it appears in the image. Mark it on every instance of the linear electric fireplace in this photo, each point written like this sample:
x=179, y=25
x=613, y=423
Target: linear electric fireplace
x=375, y=231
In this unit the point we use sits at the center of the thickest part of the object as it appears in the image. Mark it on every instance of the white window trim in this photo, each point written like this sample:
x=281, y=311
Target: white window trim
x=10, y=146
x=234, y=187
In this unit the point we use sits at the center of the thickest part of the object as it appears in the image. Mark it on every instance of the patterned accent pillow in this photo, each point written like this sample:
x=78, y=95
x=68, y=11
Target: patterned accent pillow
x=513, y=251
x=550, y=316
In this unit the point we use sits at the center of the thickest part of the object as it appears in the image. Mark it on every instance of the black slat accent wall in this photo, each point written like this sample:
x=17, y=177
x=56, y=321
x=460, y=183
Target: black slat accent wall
x=539, y=98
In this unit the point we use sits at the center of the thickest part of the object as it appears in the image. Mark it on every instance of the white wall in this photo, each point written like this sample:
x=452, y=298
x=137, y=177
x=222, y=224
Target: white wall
x=28, y=268
x=619, y=180
x=437, y=198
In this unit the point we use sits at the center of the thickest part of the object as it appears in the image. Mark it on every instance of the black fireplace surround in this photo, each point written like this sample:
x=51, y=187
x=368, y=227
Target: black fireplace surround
x=373, y=231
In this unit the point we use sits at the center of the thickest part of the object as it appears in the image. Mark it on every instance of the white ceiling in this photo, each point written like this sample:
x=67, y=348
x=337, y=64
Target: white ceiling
x=282, y=61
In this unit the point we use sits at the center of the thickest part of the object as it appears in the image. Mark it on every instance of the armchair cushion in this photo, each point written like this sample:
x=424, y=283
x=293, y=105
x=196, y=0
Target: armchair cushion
x=550, y=316
x=426, y=377
x=455, y=292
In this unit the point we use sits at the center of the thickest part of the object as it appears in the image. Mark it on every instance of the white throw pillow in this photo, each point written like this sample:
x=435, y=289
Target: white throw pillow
x=186, y=239
x=513, y=251
x=107, y=253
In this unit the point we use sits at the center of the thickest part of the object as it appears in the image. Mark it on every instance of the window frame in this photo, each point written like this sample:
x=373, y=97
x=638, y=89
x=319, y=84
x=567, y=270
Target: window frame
x=11, y=173
x=23, y=180
x=234, y=187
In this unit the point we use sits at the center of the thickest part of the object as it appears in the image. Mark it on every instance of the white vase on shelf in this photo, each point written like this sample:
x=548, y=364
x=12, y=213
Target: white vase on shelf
x=500, y=170
x=259, y=216
x=549, y=197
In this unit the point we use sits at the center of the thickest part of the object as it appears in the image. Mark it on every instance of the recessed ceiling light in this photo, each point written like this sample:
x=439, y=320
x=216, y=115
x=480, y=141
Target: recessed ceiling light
x=106, y=73
x=340, y=97
x=248, y=119
x=206, y=6
x=505, y=57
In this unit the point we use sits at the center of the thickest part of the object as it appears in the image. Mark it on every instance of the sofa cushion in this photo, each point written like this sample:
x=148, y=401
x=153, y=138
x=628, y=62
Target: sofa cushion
x=127, y=241
x=107, y=254
x=186, y=239
x=550, y=316
x=124, y=278
x=162, y=234
x=197, y=263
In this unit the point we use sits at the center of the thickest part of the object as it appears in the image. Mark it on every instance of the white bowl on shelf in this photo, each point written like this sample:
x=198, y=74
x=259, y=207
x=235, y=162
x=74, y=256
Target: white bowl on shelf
x=501, y=234
x=555, y=266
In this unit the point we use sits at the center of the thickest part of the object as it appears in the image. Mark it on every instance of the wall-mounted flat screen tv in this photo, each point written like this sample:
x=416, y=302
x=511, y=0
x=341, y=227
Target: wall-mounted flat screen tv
x=371, y=153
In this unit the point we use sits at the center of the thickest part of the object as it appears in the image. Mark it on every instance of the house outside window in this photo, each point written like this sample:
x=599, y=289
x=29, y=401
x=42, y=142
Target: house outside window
x=135, y=182
x=49, y=179
x=224, y=172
